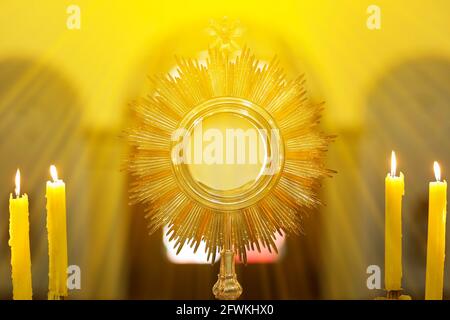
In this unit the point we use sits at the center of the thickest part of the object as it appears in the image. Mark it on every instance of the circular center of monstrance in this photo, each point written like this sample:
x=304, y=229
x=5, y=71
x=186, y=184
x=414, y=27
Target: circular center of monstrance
x=227, y=153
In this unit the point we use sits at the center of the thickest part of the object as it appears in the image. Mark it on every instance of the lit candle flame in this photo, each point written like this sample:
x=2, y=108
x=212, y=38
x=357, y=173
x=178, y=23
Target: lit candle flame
x=17, y=190
x=393, y=164
x=54, y=173
x=437, y=171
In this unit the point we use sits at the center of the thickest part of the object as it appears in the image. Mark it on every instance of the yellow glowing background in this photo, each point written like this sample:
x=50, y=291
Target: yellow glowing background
x=64, y=98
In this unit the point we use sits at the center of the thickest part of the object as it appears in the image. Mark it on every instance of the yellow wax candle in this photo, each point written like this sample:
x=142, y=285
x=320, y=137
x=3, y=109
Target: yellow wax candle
x=57, y=236
x=19, y=241
x=437, y=215
x=394, y=191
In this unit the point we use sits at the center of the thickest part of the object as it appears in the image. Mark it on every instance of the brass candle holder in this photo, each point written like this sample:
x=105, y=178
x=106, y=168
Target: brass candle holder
x=394, y=295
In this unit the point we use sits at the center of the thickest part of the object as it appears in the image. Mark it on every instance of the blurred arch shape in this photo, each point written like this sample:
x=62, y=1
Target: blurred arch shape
x=407, y=110
x=192, y=40
x=40, y=117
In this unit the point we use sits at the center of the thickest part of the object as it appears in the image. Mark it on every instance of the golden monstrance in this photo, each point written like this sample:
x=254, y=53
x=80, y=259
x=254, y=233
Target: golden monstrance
x=228, y=152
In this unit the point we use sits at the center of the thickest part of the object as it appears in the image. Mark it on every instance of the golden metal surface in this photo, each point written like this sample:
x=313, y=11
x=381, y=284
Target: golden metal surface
x=227, y=286
x=232, y=207
x=197, y=212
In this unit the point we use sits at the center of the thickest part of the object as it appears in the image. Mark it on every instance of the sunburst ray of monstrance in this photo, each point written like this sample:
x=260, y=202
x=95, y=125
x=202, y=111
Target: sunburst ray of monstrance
x=228, y=152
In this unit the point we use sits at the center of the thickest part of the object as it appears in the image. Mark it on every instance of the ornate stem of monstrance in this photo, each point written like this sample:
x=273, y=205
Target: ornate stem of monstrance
x=227, y=286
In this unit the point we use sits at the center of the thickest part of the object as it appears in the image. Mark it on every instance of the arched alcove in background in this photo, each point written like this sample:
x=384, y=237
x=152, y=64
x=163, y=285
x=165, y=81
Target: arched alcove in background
x=408, y=110
x=152, y=275
x=40, y=116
